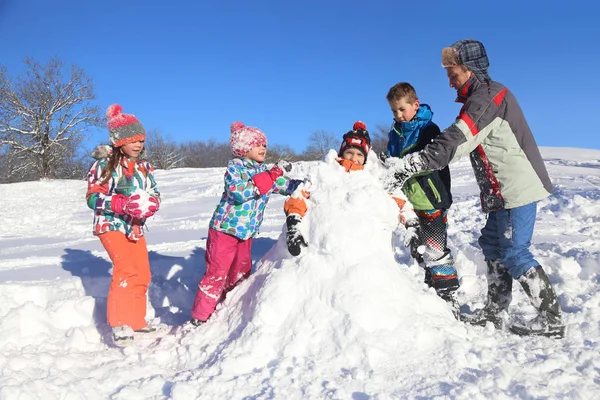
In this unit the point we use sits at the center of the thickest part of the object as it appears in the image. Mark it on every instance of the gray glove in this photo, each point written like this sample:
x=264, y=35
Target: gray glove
x=284, y=165
x=402, y=168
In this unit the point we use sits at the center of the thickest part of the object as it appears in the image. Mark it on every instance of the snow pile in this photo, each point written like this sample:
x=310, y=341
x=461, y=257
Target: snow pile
x=344, y=320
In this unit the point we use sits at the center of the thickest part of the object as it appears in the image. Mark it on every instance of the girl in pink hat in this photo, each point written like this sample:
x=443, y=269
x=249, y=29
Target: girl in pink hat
x=123, y=193
x=238, y=216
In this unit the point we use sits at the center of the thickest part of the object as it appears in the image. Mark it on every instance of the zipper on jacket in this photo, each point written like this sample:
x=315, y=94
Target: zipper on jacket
x=434, y=190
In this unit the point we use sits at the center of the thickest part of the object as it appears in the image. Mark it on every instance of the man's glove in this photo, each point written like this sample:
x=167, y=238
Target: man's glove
x=412, y=239
x=402, y=169
x=400, y=178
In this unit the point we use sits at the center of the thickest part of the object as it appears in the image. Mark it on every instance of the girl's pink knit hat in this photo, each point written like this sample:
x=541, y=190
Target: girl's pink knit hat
x=243, y=138
x=123, y=128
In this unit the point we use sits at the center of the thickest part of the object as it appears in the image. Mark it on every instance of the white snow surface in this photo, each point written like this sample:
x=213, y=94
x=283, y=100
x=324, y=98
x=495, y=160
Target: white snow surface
x=348, y=319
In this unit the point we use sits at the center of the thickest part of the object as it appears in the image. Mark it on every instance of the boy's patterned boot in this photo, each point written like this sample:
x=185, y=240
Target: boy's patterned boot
x=449, y=296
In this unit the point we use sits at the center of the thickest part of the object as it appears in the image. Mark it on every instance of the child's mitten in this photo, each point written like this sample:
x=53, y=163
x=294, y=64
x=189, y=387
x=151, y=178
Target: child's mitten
x=152, y=207
x=264, y=180
x=118, y=203
x=132, y=206
x=284, y=165
x=294, y=239
x=412, y=239
x=141, y=204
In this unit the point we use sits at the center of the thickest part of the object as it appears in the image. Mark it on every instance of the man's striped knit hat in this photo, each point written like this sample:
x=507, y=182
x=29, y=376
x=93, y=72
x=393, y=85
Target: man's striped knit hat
x=471, y=54
x=123, y=128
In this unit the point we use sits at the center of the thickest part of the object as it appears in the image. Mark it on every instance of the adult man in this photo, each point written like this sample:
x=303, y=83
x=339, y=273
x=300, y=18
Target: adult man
x=512, y=178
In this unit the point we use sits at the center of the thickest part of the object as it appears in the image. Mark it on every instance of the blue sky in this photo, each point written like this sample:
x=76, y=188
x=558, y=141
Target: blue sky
x=292, y=67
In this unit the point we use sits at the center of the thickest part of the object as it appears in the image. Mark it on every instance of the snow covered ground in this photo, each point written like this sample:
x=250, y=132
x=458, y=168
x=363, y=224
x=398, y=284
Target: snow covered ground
x=348, y=319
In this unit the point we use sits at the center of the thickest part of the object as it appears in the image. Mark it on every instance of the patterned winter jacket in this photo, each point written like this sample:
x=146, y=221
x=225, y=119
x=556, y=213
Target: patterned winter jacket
x=506, y=160
x=428, y=190
x=240, y=211
x=127, y=177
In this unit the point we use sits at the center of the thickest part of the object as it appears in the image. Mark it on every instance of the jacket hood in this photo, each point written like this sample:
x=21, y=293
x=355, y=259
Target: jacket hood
x=102, y=151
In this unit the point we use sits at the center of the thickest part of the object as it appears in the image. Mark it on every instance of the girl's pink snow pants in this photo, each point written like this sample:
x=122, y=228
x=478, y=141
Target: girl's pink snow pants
x=228, y=262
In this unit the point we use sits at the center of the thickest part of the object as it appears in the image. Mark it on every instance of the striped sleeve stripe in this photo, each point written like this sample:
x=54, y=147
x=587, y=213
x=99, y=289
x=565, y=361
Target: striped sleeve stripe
x=499, y=97
x=470, y=124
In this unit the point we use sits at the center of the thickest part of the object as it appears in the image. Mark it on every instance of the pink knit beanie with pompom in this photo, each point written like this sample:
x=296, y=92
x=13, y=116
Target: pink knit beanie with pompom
x=243, y=138
x=123, y=128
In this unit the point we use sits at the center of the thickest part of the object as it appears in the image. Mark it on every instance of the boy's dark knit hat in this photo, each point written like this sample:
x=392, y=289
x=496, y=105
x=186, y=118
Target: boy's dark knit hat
x=469, y=53
x=123, y=128
x=357, y=138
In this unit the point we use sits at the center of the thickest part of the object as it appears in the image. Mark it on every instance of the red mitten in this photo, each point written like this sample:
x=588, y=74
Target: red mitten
x=132, y=206
x=263, y=182
x=152, y=207
x=275, y=172
x=118, y=203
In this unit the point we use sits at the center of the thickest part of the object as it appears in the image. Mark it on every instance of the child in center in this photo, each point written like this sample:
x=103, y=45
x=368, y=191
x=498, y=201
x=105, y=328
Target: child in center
x=238, y=216
x=352, y=154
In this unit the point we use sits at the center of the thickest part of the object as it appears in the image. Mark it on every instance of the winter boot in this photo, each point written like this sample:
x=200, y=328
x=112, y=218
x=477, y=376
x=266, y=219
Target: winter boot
x=428, y=278
x=449, y=296
x=122, y=335
x=441, y=275
x=196, y=322
x=293, y=238
x=146, y=329
x=536, y=284
x=499, y=296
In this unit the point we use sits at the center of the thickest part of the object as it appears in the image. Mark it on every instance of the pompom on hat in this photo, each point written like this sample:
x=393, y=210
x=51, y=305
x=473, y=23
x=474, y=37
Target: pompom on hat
x=123, y=128
x=357, y=138
x=243, y=138
x=469, y=53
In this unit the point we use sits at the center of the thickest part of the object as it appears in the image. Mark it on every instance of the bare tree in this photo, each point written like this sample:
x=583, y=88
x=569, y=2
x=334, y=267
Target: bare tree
x=198, y=154
x=319, y=144
x=44, y=116
x=163, y=152
x=379, y=138
x=281, y=152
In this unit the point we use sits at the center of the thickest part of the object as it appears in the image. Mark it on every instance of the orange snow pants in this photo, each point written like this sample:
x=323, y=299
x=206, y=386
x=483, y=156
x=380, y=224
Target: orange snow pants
x=126, y=303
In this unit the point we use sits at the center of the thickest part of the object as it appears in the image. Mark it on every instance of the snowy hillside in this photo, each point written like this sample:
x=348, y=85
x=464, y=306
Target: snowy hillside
x=348, y=319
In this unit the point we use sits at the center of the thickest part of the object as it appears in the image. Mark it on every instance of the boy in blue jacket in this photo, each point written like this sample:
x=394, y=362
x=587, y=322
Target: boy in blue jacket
x=428, y=192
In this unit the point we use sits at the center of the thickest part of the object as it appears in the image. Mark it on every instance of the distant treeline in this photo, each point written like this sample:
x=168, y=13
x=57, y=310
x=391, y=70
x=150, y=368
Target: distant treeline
x=47, y=112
